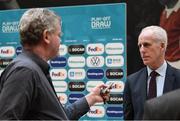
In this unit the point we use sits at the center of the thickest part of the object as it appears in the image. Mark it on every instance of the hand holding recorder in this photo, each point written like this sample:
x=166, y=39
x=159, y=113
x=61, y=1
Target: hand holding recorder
x=105, y=92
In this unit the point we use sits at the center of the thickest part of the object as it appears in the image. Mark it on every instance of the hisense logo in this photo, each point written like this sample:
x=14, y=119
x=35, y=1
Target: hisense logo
x=10, y=27
x=101, y=22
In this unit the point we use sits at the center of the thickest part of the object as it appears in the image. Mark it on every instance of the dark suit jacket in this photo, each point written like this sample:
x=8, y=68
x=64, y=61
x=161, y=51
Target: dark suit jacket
x=135, y=92
x=165, y=107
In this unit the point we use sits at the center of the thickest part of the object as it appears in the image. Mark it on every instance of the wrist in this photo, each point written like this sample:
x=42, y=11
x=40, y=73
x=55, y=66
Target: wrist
x=91, y=99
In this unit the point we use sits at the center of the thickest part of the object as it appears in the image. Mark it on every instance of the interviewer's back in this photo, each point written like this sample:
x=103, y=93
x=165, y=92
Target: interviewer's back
x=165, y=107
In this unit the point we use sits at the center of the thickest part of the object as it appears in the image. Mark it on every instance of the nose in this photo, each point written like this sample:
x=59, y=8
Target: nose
x=60, y=40
x=142, y=49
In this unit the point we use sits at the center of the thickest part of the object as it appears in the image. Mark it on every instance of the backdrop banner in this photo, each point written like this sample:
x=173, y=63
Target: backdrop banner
x=92, y=51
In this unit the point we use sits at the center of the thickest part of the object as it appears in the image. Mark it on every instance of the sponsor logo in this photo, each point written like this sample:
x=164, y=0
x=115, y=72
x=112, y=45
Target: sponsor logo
x=58, y=62
x=95, y=61
x=76, y=74
x=58, y=74
x=76, y=86
x=7, y=51
x=10, y=27
x=96, y=112
x=103, y=22
x=75, y=97
x=114, y=61
x=62, y=50
x=62, y=98
x=76, y=61
x=114, y=48
x=4, y=62
x=60, y=86
x=91, y=84
x=95, y=49
x=114, y=111
x=18, y=50
x=76, y=49
x=115, y=99
x=118, y=86
x=95, y=73
x=114, y=73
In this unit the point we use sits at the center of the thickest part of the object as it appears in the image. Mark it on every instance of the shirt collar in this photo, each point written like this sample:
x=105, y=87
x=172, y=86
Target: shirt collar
x=161, y=70
x=39, y=61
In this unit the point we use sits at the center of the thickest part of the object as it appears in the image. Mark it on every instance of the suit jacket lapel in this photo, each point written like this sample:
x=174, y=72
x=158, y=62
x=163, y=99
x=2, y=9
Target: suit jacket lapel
x=143, y=85
x=169, y=80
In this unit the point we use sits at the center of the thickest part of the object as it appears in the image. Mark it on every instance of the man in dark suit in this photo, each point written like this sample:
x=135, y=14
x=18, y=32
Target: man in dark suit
x=142, y=85
x=165, y=107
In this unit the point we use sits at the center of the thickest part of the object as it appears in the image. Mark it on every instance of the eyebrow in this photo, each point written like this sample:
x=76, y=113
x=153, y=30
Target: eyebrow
x=145, y=44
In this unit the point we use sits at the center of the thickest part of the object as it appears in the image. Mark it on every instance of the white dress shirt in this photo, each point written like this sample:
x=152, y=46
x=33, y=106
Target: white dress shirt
x=159, y=79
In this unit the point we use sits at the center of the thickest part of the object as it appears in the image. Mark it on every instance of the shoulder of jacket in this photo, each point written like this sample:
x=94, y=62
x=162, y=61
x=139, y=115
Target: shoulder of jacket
x=133, y=75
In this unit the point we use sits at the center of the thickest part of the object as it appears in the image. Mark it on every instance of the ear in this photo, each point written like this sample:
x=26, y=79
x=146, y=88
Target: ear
x=46, y=37
x=163, y=45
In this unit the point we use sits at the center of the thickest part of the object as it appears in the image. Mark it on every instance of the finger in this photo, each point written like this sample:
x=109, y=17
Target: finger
x=106, y=98
x=100, y=86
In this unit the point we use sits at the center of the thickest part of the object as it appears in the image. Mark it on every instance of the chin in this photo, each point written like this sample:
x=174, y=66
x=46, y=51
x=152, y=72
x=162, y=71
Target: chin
x=146, y=63
x=54, y=56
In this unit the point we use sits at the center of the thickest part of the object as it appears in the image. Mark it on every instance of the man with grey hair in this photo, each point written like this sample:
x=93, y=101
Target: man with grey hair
x=26, y=89
x=155, y=79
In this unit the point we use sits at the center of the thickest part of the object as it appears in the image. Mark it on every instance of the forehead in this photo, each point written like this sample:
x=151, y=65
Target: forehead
x=146, y=37
x=58, y=27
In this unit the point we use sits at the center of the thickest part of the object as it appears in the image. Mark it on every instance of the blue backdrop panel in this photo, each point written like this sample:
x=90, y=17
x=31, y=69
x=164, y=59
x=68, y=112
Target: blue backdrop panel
x=93, y=51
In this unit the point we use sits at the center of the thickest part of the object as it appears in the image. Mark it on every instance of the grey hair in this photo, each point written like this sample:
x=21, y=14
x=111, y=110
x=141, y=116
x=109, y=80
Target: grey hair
x=33, y=23
x=159, y=34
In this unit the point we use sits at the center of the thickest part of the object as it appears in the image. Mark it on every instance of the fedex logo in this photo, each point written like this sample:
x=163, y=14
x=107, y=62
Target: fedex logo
x=118, y=86
x=62, y=98
x=7, y=51
x=96, y=111
x=95, y=49
x=58, y=74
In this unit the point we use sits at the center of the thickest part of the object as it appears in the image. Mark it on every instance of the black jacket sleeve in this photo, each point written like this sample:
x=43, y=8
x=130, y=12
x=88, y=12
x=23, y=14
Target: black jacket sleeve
x=127, y=103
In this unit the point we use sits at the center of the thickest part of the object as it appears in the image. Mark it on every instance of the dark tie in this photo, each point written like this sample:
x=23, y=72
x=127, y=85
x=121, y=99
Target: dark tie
x=152, y=85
